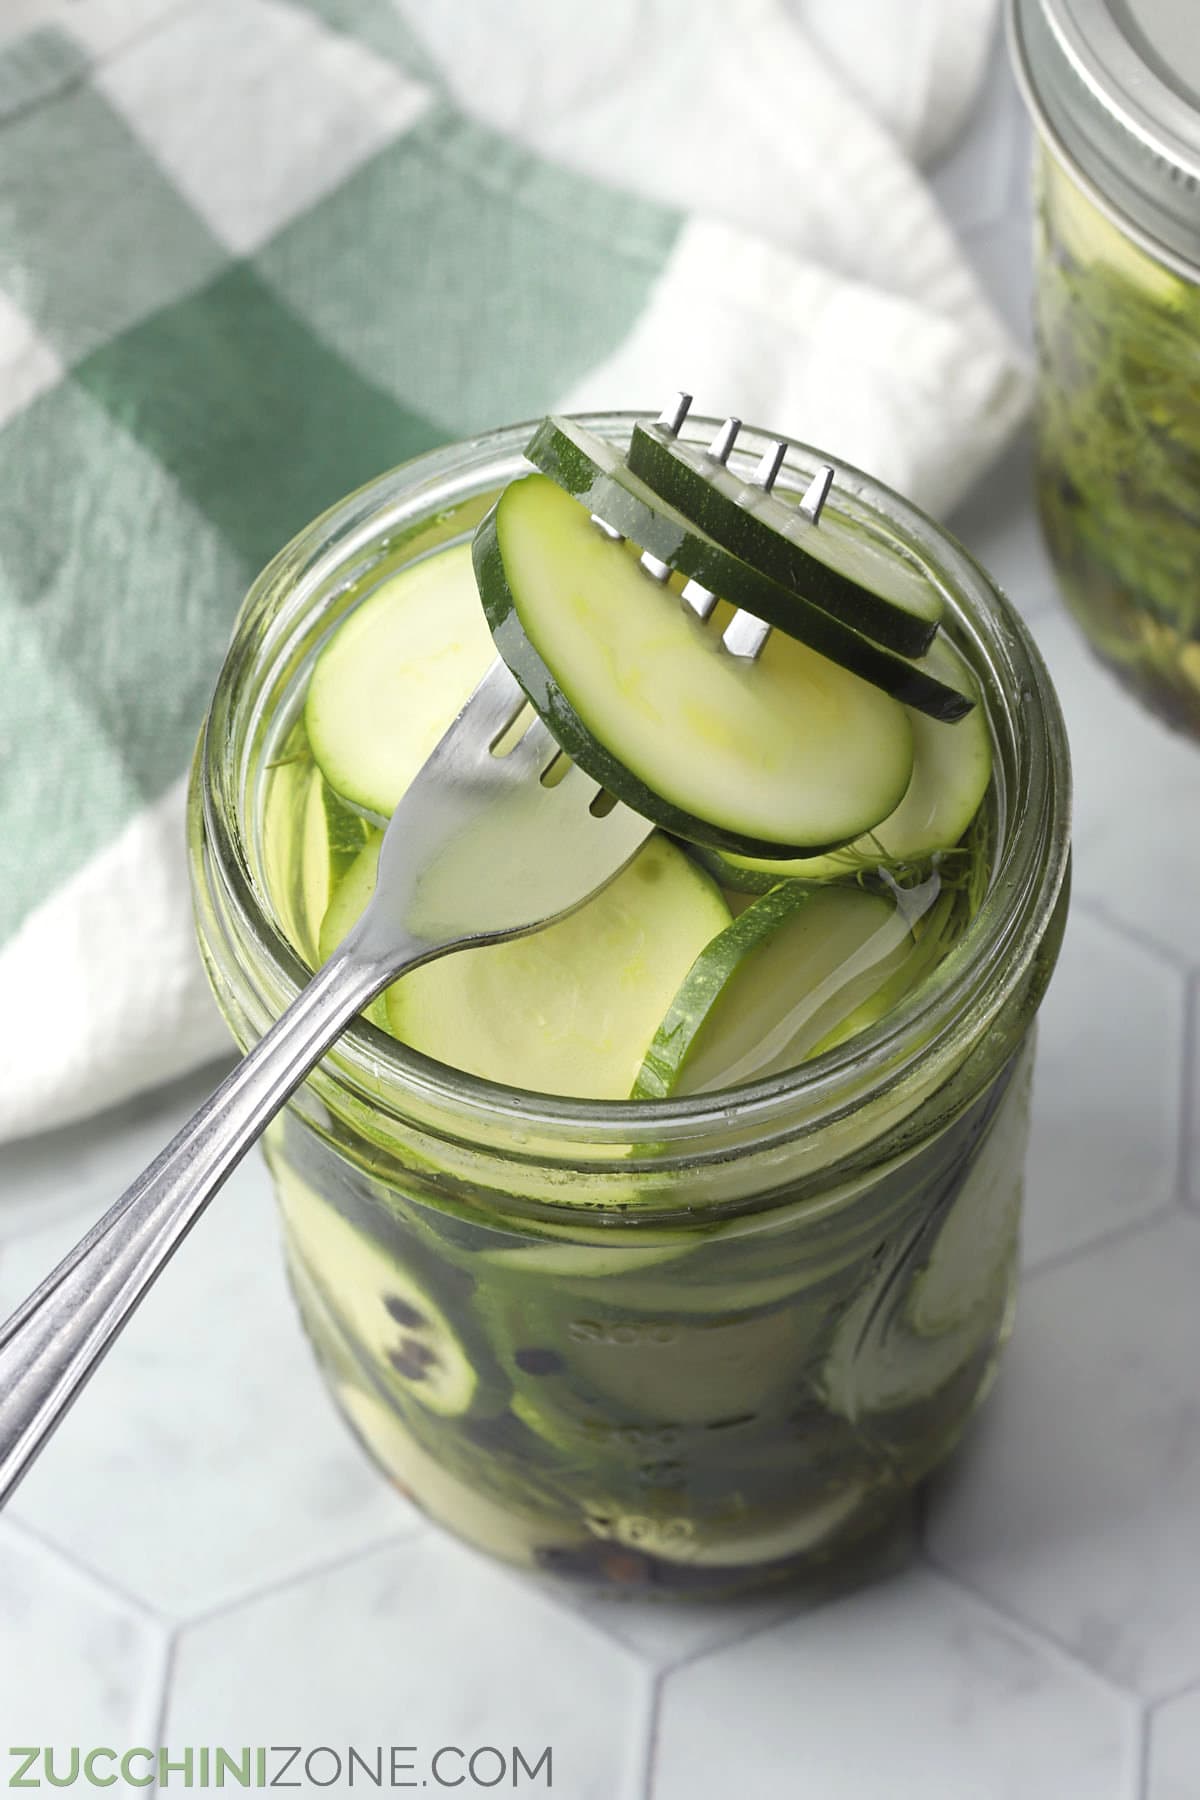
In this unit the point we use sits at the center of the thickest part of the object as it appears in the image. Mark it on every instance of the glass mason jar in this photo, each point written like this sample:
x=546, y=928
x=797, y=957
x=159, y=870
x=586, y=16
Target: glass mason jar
x=1114, y=87
x=698, y=1344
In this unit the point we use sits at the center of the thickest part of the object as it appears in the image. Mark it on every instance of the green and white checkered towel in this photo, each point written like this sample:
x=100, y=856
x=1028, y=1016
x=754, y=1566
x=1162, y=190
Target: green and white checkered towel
x=254, y=251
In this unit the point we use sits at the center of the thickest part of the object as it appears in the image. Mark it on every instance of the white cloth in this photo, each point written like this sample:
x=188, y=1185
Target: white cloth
x=818, y=287
x=815, y=288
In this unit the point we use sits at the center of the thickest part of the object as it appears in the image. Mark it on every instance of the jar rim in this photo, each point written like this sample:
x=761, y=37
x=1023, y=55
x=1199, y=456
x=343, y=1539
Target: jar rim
x=937, y=1022
x=1101, y=106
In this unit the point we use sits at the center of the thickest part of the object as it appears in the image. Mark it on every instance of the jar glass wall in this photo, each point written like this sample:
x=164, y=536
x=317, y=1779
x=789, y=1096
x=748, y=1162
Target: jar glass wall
x=1118, y=441
x=697, y=1344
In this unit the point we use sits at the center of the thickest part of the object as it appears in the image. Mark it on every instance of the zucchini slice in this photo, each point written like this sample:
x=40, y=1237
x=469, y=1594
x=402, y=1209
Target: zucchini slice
x=694, y=1372
x=583, y=1262
x=591, y=470
x=934, y=932
x=780, y=984
x=569, y=1009
x=873, y=590
x=310, y=836
x=952, y=766
x=512, y=1530
x=514, y=1524
x=381, y=1304
x=333, y=839
x=963, y=1282
x=347, y=903
x=788, y=755
x=393, y=676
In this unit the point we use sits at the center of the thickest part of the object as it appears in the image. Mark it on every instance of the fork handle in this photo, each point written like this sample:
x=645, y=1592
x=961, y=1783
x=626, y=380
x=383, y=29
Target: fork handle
x=53, y=1342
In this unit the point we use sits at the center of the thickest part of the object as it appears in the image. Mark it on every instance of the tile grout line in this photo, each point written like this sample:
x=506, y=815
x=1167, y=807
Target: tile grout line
x=611, y=1633
x=1160, y=952
x=564, y=1598
x=1141, y=1783
x=1116, y=1234
x=658, y=1663
x=314, y=1571
x=164, y=1698
x=756, y=1628
x=1185, y=1691
x=797, y=1604
x=1029, y=1631
x=1190, y=1072
x=573, y=1603
x=84, y=1572
x=650, y=1758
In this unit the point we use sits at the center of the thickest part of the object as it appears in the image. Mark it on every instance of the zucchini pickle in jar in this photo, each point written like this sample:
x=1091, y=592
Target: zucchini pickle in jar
x=709, y=1337
x=1115, y=94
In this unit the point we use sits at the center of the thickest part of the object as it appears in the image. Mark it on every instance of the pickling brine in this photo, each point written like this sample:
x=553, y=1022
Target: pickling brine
x=672, y=1244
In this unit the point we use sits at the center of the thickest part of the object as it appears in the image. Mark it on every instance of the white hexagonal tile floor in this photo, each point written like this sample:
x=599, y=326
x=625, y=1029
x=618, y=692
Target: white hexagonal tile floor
x=77, y=1665
x=1075, y=1504
x=1108, y=1092
x=910, y=1691
x=1173, y=1751
x=208, y=1411
x=428, y=1646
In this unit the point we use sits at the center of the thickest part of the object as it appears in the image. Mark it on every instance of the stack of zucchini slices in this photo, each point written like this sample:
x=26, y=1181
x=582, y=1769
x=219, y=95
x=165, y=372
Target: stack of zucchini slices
x=761, y=678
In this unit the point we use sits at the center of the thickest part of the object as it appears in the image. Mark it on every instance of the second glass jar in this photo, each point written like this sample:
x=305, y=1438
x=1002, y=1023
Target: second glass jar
x=1118, y=443
x=1117, y=315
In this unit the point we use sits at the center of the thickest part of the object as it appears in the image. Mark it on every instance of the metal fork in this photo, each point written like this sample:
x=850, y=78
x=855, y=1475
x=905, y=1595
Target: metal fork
x=483, y=846
x=745, y=635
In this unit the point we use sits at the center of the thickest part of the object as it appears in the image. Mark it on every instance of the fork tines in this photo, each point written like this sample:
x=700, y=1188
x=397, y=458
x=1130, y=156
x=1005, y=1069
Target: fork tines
x=745, y=634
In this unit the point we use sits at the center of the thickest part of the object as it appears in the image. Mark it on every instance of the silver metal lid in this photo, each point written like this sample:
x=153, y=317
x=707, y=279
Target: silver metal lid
x=1115, y=86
